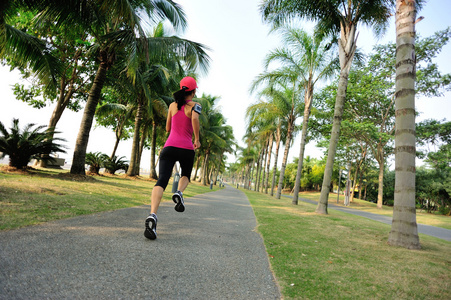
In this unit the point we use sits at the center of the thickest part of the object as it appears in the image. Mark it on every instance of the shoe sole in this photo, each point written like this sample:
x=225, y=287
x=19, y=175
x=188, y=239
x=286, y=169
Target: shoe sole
x=149, y=233
x=179, y=206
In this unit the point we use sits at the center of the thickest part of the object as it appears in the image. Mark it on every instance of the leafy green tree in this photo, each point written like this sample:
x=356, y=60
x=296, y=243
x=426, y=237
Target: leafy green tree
x=29, y=50
x=434, y=183
x=115, y=111
x=335, y=18
x=23, y=145
x=67, y=44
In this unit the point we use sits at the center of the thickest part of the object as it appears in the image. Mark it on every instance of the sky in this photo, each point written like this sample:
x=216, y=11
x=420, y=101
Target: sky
x=239, y=41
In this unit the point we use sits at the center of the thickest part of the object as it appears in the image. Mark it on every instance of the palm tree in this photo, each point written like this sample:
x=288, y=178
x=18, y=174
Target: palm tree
x=308, y=57
x=261, y=119
x=116, y=110
x=333, y=17
x=95, y=161
x=212, y=132
x=404, y=230
x=23, y=145
x=113, y=164
x=118, y=31
x=286, y=103
x=146, y=104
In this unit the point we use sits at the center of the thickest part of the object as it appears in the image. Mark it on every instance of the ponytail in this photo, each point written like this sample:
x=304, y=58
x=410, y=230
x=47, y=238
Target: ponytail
x=180, y=97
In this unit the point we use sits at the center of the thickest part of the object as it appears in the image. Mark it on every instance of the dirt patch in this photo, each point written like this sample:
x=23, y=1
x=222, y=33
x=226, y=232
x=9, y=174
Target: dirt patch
x=76, y=177
x=8, y=169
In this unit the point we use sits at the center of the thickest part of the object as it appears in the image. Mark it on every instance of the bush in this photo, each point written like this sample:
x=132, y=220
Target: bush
x=23, y=145
x=95, y=161
x=114, y=164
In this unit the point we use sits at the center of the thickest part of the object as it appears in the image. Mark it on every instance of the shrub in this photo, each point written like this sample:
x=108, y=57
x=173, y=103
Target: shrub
x=23, y=145
x=116, y=163
x=95, y=161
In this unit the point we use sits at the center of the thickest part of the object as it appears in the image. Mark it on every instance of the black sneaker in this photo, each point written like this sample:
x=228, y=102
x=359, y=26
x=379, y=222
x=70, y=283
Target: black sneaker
x=151, y=227
x=178, y=200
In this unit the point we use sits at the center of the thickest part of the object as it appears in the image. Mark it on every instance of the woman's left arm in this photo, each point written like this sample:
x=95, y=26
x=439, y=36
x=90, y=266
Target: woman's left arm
x=169, y=118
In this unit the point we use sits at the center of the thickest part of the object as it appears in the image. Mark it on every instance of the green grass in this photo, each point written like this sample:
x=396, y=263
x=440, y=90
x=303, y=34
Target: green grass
x=422, y=216
x=42, y=195
x=342, y=256
x=335, y=256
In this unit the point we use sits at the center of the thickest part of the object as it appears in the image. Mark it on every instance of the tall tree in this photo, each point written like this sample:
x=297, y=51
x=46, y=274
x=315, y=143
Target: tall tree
x=334, y=18
x=286, y=104
x=404, y=231
x=119, y=29
x=28, y=49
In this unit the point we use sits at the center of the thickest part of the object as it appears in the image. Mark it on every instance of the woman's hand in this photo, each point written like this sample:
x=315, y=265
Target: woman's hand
x=196, y=144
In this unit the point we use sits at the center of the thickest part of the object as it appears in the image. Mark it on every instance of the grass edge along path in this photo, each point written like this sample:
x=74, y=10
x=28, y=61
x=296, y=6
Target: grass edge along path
x=342, y=256
x=42, y=195
x=423, y=217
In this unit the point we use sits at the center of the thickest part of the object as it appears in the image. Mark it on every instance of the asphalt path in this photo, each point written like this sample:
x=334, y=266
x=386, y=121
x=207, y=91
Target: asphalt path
x=438, y=232
x=210, y=251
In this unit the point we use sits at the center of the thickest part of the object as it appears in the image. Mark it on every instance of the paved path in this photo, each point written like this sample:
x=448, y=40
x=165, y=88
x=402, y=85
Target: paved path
x=210, y=251
x=438, y=232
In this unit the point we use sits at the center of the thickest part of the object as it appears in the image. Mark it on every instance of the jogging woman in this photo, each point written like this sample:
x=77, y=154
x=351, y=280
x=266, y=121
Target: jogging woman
x=182, y=122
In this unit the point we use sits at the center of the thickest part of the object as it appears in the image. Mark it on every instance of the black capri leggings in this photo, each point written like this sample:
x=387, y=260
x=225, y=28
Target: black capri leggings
x=169, y=155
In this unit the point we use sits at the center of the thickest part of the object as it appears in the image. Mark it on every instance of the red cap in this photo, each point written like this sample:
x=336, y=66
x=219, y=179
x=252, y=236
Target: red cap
x=188, y=82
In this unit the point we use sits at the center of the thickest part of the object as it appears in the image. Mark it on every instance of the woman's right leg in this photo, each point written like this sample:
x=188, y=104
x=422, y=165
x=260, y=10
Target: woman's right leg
x=165, y=171
x=157, y=194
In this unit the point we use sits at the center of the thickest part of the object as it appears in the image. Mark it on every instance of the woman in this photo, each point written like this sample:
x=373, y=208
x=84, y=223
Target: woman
x=182, y=122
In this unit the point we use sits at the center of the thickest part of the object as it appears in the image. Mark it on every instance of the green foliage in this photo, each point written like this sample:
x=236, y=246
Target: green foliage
x=312, y=174
x=95, y=160
x=23, y=145
x=114, y=164
x=433, y=189
x=98, y=160
x=65, y=43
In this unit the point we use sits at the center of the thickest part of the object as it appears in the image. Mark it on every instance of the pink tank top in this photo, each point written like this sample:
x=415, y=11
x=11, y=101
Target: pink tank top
x=181, y=134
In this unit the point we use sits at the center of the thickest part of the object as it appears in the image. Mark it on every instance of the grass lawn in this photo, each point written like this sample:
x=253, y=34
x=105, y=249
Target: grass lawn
x=342, y=256
x=41, y=195
x=335, y=256
x=422, y=216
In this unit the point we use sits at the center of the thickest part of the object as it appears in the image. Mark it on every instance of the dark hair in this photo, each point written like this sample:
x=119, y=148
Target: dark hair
x=181, y=95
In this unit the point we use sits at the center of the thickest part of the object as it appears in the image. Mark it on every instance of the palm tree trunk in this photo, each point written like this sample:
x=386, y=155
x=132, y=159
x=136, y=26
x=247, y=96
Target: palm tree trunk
x=258, y=171
x=141, y=147
x=265, y=166
x=404, y=231
x=153, y=171
x=197, y=167
x=79, y=157
x=204, y=168
x=135, y=145
x=346, y=50
x=284, y=161
x=308, y=107
x=268, y=163
x=116, y=144
x=275, y=159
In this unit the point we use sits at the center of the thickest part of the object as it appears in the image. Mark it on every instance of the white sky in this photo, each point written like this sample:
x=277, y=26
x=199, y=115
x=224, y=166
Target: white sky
x=239, y=41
